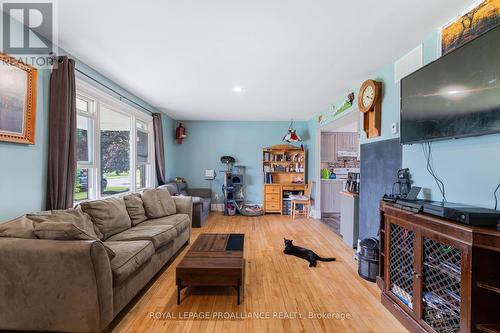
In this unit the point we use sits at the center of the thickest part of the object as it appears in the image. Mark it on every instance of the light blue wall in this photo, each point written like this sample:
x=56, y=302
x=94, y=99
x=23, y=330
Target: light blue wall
x=23, y=168
x=207, y=141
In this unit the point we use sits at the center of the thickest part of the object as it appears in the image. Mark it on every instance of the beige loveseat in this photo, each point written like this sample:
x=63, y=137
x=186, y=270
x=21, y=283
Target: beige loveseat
x=81, y=274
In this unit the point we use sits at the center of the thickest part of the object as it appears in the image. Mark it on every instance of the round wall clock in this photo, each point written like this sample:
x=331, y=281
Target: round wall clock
x=368, y=95
x=370, y=104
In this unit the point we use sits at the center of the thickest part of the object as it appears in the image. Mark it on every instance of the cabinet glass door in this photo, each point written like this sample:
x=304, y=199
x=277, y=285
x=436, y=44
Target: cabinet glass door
x=441, y=286
x=401, y=264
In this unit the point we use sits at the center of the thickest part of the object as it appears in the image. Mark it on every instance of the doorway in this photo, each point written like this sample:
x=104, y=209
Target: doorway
x=339, y=162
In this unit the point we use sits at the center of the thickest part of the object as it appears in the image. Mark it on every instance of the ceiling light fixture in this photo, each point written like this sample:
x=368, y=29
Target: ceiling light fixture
x=238, y=89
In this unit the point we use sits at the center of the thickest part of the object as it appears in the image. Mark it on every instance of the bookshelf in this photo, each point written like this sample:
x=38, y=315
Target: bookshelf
x=284, y=169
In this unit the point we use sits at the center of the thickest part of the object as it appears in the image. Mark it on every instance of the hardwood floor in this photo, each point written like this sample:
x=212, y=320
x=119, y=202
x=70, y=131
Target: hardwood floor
x=332, y=221
x=276, y=285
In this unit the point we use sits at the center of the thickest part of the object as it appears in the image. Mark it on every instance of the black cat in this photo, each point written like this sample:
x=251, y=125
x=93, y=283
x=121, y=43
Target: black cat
x=303, y=253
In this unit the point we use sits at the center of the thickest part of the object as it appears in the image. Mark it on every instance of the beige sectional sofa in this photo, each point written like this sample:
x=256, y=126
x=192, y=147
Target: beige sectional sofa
x=75, y=270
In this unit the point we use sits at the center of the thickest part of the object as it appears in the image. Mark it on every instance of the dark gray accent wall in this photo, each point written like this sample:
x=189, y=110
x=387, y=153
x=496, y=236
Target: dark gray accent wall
x=380, y=162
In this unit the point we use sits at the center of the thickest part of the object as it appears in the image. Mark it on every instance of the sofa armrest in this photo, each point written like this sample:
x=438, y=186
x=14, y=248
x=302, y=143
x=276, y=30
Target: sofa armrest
x=184, y=205
x=52, y=285
x=171, y=187
x=200, y=192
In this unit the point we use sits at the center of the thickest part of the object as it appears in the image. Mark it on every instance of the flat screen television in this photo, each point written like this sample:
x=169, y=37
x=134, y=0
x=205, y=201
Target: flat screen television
x=456, y=96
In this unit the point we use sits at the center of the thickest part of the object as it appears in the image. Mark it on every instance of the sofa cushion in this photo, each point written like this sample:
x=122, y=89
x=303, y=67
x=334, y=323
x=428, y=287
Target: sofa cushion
x=135, y=208
x=74, y=216
x=21, y=227
x=66, y=231
x=158, y=203
x=130, y=256
x=110, y=216
x=160, y=235
x=179, y=221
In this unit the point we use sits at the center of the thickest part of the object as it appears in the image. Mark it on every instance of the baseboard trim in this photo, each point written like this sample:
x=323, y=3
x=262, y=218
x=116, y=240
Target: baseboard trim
x=315, y=214
x=217, y=207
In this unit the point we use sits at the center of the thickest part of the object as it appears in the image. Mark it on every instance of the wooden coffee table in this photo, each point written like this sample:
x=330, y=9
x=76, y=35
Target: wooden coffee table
x=213, y=260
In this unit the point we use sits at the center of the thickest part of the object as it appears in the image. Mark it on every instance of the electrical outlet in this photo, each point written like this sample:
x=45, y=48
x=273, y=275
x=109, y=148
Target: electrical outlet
x=395, y=128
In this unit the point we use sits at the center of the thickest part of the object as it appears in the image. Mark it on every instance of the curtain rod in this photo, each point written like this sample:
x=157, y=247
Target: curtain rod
x=54, y=57
x=113, y=90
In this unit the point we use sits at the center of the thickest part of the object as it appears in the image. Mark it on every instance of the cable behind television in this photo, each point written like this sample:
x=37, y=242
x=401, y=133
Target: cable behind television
x=427, y=149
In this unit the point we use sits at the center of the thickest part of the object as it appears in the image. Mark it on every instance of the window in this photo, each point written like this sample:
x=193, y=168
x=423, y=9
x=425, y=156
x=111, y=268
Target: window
x=114, y=148
x=115, y=152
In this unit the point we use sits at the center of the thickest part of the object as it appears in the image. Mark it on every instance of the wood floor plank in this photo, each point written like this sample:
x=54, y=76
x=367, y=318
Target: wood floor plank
x=276, y=285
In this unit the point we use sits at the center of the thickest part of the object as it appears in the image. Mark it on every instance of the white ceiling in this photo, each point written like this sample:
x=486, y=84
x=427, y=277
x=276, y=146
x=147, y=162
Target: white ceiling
x=292, y=58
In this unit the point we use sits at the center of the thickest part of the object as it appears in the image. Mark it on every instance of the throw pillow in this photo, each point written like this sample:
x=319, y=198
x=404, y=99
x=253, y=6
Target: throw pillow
x=74, y=216
x=135, y=208
x=21, y=227
x=158, y=203
x=66, y=231
x=109, y=215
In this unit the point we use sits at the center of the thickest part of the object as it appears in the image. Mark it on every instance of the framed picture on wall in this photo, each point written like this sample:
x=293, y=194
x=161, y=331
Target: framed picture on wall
x=17, y=101
x=480, y=19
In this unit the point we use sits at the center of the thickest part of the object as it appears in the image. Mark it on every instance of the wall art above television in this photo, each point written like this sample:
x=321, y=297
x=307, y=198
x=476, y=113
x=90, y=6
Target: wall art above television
x=471, y=25
x=17, y=101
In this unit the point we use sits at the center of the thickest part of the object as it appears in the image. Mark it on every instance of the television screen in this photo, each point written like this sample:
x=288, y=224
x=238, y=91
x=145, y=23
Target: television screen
x=455, y=96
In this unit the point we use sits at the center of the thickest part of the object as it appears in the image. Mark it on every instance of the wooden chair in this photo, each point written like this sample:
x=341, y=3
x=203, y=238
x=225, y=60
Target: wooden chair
x=304, y=200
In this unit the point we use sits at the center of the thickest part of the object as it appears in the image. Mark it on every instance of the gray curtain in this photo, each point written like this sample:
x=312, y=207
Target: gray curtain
x=159, y=149
x=62, y=135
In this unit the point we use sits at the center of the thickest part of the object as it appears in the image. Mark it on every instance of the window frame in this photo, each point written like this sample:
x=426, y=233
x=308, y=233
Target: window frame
x=90, y=164
x=148, y=163
x=99, y=98
x=91, y=115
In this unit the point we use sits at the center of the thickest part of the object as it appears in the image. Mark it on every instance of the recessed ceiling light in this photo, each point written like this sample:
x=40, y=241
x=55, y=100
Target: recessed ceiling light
x=238, y=89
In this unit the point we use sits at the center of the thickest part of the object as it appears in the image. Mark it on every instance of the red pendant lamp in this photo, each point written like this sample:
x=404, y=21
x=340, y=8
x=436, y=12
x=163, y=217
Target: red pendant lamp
x=292, y=135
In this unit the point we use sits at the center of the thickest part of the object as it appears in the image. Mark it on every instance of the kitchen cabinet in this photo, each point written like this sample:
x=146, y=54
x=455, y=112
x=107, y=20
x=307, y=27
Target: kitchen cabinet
x=328, y=149
x=332, y=143
x=330, y=195
x=347, y=141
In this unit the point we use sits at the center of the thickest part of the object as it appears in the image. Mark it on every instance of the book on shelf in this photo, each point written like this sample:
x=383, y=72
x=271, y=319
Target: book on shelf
x=279, y=168
x=268, y=178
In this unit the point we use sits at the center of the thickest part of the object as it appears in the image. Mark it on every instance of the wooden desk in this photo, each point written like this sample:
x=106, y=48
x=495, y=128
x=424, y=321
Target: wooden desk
x=273, y=196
